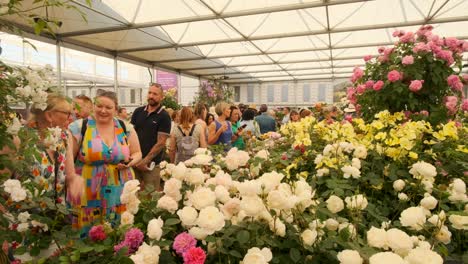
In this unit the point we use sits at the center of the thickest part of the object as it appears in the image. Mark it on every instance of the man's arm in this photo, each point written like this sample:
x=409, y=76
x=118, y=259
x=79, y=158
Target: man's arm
x=155, y=150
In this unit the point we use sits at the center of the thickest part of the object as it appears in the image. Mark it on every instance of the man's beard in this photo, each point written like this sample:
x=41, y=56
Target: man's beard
x=152, y=102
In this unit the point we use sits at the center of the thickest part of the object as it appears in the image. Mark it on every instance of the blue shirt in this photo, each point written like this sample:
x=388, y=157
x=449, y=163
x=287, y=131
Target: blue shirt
x=266, y=123
x=226, y=136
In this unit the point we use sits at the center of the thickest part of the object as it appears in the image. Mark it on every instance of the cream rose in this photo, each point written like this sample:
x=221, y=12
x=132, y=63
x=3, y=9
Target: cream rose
x=335, y=204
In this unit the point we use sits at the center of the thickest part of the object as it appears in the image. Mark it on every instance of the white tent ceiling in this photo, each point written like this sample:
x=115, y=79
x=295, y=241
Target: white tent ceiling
x=252, y=40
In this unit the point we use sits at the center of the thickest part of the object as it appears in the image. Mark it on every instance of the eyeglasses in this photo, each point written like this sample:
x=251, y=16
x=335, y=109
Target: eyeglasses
x=64, y=112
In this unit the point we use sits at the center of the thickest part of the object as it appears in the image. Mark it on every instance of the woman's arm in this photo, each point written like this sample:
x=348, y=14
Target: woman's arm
x=172, y=147
x=135, y=150
x=203, y=137
x=213, y=135
x=74, y=183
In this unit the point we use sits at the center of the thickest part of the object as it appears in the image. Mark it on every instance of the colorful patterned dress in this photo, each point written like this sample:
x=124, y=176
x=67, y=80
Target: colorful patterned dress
x=97, y=163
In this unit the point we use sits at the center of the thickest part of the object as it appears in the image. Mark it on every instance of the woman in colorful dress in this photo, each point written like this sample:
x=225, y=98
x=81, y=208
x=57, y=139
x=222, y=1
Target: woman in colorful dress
x=105, y=152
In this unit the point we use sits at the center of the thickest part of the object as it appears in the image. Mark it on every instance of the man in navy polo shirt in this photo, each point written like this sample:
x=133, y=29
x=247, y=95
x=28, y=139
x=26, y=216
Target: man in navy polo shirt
x=153, y=126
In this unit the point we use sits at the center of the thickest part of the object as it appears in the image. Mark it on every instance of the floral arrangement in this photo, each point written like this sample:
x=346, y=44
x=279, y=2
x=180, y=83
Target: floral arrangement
x=210, y=93
x=170, y=99
x=421, y=75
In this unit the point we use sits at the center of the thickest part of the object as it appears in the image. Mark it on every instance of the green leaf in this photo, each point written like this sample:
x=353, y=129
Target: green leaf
x=211, y=239
x=243, y=237
x=295, y=254
x=235, y=253
x=86, y=249
x=171, y=221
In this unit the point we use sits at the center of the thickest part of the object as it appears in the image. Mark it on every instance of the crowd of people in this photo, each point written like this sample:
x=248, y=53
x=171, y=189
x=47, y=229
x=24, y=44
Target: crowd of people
x=102, y=147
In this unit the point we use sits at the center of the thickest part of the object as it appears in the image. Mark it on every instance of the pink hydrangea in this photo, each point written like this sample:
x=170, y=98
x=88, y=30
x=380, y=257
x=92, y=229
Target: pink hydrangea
x=378, y=85
x=416, y=85
x=357, y=73
x=454, y=82
x=194, y=255
x=451, y=104
x=464, y=105
x=394, y=76
x=367, y=58
x=96, y=233
x=183, y=242
x=407, y=60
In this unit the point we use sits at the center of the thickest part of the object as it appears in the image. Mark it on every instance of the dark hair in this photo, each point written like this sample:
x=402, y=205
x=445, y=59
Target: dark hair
x=108, y=94
x=289, y=109
x=249, y=114
x=120, y=109
x=293, y=112
x=84, y=98
x=233, y=107
x=208, y=117
x=263, y=108
x=198, y=110
x=157, y=85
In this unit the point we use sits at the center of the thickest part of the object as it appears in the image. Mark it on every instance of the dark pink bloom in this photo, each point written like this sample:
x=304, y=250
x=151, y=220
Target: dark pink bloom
x=133, y=239
x=394, y=76
x=388, y=51
x=454, y=82
x=16, y=261
x=369, y=84
x=357, y=73
x=464, y=105
x=361, y=89
x=381, y=50
x=183, y=242
x=398, y=33
x=416, y=85
x=97, y=233
x=407, y=60
x=195, y=255
x=378, y=85
x=367, y=58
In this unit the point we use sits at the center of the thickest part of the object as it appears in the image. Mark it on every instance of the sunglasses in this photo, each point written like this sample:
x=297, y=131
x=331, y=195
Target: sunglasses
x=64, y=112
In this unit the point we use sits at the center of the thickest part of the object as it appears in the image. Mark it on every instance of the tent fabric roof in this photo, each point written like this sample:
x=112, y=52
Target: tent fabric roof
x=250, y=41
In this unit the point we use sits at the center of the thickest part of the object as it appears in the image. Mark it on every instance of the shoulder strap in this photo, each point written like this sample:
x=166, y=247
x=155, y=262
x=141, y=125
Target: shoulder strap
x=181, y=131
x=84, y=126
x=122, y=124
x=191, y=131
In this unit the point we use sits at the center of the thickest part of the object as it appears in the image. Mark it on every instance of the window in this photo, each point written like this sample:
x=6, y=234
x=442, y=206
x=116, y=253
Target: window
x=270, y=93
x=322, y=92
x=122, y=93
x=284, y=93
x=132, y=96
x=237, y=93
x=250, y=93
x=306, y=93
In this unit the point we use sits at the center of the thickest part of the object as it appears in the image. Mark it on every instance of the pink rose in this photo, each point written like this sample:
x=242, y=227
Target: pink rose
x=96, y=233
x=446, y=55
x=465, y=78
x=357, y=73
x=464, y=105
x=367, y=58
x=424, y=112
x=194, y=255
x=388, y=51
x=361, y=89
x=369, y=84
x=382, y=58
x=394, y=76
x=398, y=33
x=451, y=104
x=416, y=85
x=407, y=37
x=381, y=50
x=454, y=82
x=421, y=46
x=378, y=85
x=183, y=242
x=408, y=60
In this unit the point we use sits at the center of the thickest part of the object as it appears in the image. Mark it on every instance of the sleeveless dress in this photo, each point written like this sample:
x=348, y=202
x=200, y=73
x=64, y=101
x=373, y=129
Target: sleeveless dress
x=226, y=137
x=97, y=163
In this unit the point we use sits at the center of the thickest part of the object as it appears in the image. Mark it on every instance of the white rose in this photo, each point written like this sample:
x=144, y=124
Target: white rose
x=222, y=194
x=322, y=172
x=15, y=126
x=195, y=176
x=444, y=235
x=155, y=228
x=459, y=186
x=146, y=254
x=434, y=219
x=210, y=219
x=22, y=227
x=332, y=224
x=309, y=237
x=131, y=186
x=200, y=151
x=429, y=202
x=201, y=159
x=167, y=203
x=459, y=221
x=423, y=256
x=23, y=217
x=263, y=154
x=351, y=229
x=335, y=204
x=377, y=237
x=257, y=256
x=223, y=178
x=422, y=169
x=188, y=215
x=356, y=202
x=230, y=208
x=386, y=258
x=18, y=194
x=232, y=163
x=398, y=185
x=403, y=197
x=360, y=152
x=10, y=184
x=270, y=180
x=356, y=163
x=179, y=171
x=350, y=171
x=278, y=227
x=413, y=217
x=198, y=233
x=280, y=200
x=399, y=241
x=133, y=205
x=126, y=219
x=44, y=227
x=246, y=188
x=172, y=188
x=252, y=205
x=203, y=197
x=428, y=185
x=349, y=257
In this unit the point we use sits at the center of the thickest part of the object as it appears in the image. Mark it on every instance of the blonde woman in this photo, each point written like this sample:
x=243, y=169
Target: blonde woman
x=187, y=137
x=220, y=132
x=105, y=152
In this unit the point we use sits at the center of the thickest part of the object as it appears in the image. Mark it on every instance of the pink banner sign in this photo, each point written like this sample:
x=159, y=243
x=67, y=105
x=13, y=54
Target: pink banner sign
x=167, y=80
